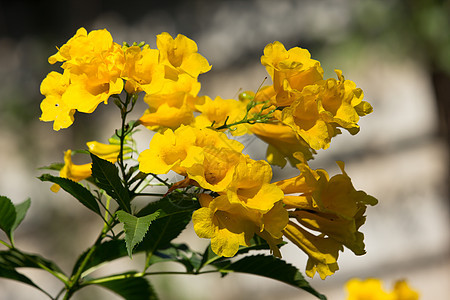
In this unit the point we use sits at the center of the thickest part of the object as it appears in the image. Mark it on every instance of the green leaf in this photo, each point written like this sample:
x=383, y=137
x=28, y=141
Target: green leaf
x=135, y=227
x=53, y=167
x=18, y=259
x=274, y=268
x=131, y=288
x=179, y=253
x=21, y=211
x=7, y=214
x=107, y=178
x=75, y=189
x=8, y=273
x=174, y=216
x=102, y=253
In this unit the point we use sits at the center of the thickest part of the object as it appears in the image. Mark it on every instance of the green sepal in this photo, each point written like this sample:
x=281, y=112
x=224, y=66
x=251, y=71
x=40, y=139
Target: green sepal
x=75, y=189
x=106, y=176
x=271, y=267
x=130, y=288
x=135, y=228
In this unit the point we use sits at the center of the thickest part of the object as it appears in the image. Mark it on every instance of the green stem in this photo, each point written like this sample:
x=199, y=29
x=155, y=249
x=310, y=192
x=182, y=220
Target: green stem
x=124, y=112
x=58, y=275
x=74, y=283
x=6, y=244
x=142, y=274
x=149, y=194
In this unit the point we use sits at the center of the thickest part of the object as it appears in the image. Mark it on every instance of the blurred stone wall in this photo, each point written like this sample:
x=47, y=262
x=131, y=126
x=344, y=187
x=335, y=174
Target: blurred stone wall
x=400, y=156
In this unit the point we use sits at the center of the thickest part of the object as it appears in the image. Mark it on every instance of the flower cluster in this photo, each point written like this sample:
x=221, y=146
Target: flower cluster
x=95, y=68
x=310, y=108
x=329, y=206
x=242, y=202
x=371, y=289
x=299, y=113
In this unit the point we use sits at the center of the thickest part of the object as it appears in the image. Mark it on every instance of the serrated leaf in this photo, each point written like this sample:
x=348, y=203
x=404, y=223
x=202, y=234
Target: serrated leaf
x=274, y=268
x=7, y=214
x=172, y=220
x=135, y=227
x=107, y=178
x=131, y=288
x=75, y=189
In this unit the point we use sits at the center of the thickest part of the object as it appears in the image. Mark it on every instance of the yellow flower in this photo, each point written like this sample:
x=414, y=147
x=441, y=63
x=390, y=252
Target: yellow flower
x=230, y=225
x=142, y=70
x=94, y=63
x=402, y=291
x=215, y=171
x=305, y=118
x=219, y=111
x=291, y=70
x=53, y=107
x=282, y=143
x=80, y=172
x=369, y=289
x=106, y=151
x=322, y=252
x=181, y=54
x=342, y=102
x=227, y=225
x=173, y=105
x=330, y=206
x=251, y=186
x=72, y=171
x=249, y=205
x=183, y=148
x=321, y=108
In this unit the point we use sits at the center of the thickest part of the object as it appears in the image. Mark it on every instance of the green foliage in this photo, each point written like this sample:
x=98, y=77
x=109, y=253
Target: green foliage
x=130, y=288
x=271, y=267
x=14, y=258
x=14, y=275
x=21, y=211
x=7, y=214
x=175, y=213
x=135, y=228
x=106, y=176
x=102, y=253
x=209, y=257
x=12, y=215
x=75, y=189
x=53, y=167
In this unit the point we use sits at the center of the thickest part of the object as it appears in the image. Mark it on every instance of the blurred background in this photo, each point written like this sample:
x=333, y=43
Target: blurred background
x=397, y=51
